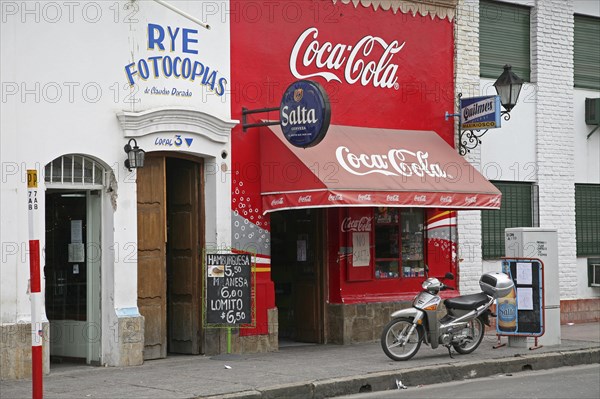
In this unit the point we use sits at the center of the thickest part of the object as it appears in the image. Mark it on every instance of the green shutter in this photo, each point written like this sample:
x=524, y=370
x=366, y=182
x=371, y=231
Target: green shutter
x=516, y=210
x=504, y=39
x=587, y=219
x=587, y=52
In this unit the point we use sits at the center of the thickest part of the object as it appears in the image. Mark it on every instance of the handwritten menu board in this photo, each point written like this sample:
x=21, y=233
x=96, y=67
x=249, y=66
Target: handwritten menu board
x=228, y=289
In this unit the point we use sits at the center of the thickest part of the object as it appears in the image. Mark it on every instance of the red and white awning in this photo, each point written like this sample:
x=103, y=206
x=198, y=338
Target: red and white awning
x=356, y=166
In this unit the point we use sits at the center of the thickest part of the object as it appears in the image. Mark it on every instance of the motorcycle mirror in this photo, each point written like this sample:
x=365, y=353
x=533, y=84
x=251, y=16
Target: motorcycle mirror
x=449, y=276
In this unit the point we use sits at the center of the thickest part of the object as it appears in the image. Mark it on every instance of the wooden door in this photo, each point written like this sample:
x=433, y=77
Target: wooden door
x=152, y=282
x=183, y=255
x=308, y=299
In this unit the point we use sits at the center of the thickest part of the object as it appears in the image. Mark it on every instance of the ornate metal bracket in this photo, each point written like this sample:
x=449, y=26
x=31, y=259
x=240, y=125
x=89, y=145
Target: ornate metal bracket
x=470, y=139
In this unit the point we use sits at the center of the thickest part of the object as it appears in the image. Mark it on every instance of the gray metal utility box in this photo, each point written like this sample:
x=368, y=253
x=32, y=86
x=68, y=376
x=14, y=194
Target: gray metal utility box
x=496, y=284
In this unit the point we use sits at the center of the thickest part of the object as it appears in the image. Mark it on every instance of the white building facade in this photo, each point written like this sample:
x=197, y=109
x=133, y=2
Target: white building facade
x=546, y=143
x=79, y=82
x=82, y=80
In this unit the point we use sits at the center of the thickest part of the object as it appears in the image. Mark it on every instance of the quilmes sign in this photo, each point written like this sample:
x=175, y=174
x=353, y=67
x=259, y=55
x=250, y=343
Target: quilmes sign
x=480, y=112
x=184, y=66
x=304, y=113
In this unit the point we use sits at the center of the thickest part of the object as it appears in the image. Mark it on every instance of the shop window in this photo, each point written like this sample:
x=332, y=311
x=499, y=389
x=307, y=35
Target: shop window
x=518, y=209
x=504, y=38
x=399, y=249
x=587, y=219
x=586, y=57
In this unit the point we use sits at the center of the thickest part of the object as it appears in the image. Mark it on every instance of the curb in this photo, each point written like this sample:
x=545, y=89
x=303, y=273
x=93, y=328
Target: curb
x=387, y=380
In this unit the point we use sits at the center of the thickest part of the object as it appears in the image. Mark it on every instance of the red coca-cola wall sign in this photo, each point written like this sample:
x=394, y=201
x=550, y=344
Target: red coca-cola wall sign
x=379, y=69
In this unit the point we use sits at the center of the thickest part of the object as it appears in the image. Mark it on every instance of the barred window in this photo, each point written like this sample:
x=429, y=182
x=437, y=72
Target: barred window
x=518, y=209
x=586, y=57
x=587, y=219
x=504, y=38
x=74, y=170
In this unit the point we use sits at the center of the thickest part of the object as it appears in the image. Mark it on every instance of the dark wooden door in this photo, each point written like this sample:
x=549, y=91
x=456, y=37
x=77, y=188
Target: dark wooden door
x=183, y=255
x=152, y=282
x=308, y=298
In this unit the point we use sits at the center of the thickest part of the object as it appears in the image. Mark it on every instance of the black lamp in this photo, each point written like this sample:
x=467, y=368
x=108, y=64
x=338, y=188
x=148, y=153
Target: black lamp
x=135, y=155
x=508, y=86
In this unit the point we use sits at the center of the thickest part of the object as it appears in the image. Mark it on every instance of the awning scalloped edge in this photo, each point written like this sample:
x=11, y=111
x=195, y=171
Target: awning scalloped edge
x=434, y=8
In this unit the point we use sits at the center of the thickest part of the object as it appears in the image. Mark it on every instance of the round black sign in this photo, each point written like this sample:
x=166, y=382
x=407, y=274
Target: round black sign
x=304, y=113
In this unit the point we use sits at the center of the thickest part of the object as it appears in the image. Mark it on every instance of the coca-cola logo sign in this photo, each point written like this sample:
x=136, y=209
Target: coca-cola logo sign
x=366, y=62
x=397, y=162
x=304, y=113
x=362, y=224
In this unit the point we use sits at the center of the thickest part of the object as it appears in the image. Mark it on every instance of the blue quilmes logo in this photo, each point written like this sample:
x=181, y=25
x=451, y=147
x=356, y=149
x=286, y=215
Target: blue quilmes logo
x=184, y=67
x=480, y=112
x=305, y=113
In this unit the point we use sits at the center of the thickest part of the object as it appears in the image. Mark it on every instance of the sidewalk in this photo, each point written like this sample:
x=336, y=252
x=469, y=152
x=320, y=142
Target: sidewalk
x=306, y=371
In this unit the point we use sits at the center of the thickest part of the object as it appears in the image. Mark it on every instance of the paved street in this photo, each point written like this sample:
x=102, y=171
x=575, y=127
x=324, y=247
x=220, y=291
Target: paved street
x=581, y=382
x=310, y=371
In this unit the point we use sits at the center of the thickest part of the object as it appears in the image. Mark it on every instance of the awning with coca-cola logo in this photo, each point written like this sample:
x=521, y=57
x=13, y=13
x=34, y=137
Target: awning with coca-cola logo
x=356, y=166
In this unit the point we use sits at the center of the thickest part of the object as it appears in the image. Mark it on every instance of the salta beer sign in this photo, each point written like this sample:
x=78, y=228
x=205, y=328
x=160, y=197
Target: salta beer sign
x=304, y=113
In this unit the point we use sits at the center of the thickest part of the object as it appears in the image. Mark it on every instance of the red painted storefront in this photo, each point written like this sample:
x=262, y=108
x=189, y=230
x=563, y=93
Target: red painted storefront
x=380, y=69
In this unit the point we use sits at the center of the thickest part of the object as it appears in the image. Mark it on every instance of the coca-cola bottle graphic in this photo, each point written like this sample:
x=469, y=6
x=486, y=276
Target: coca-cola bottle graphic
x=507, y=312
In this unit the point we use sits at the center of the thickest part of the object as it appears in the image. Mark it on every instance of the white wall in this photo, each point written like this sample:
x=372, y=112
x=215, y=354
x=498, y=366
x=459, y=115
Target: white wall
x=545, y=141
x=63, y=83
x=509, y=153
x=587, y=7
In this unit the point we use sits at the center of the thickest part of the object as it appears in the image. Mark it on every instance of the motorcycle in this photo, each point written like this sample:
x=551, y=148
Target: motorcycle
x=461, y=328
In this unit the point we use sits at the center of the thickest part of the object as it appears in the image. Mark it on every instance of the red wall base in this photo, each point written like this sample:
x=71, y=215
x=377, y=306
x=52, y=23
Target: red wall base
x=580, y=311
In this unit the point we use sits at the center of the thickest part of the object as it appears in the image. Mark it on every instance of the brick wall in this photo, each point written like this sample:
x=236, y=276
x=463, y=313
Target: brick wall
x=466, y=35
x=552, y=72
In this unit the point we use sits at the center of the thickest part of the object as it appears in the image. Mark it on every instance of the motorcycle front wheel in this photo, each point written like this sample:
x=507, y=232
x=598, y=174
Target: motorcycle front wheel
x=473, y=335
x=395, y=341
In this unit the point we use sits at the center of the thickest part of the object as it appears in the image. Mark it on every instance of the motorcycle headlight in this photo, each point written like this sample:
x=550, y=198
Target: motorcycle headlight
x=432, y=285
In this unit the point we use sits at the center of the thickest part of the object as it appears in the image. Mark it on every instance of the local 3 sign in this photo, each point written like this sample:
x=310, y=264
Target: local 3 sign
x=304, y=113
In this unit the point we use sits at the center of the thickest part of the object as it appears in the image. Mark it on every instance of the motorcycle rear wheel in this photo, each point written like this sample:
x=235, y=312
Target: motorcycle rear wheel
x=474, y=331
x=397, y=330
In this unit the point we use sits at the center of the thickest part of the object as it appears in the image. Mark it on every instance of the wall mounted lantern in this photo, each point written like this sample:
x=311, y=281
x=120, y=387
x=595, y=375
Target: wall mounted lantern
x=508, y=86
x=135, y=155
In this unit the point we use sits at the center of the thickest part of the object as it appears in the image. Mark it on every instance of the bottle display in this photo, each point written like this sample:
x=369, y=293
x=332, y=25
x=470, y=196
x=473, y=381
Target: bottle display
x=507, y=312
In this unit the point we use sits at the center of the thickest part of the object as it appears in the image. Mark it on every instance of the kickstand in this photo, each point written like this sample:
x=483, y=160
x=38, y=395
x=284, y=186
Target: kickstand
x=450, y=352
x=499, y=344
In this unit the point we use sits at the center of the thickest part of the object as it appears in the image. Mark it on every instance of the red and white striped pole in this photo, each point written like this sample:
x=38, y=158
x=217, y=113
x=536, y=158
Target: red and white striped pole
x=36, y=286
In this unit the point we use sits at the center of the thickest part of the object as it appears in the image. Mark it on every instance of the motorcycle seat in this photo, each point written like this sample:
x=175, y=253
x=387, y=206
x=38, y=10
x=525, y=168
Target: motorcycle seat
x=467, y=302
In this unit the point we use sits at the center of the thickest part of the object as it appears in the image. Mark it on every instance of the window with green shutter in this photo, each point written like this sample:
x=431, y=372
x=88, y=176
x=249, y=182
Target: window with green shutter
x=587, y=219
x=586, y=57
x=504, y=38
x=518, y=209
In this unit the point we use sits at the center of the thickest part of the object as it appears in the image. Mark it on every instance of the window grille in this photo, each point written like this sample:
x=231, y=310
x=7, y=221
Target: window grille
x=518, y=209
x=74, y=170
x=587, y=219
x=504, y=38
x=586, y=57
